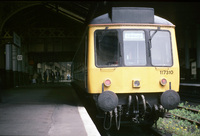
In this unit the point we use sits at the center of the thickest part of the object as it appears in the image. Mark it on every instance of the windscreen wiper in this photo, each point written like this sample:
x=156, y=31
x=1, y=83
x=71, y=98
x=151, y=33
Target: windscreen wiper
x=103, y=34
x=154, y=33
x=151, y=36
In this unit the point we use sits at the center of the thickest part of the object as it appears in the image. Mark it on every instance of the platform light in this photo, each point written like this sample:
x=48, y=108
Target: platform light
x=107, y=82
x=163, y=81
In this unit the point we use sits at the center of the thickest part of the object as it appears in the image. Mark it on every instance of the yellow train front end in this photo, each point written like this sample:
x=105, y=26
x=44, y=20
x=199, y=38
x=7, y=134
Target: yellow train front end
x=122, y=77
x=132, y=68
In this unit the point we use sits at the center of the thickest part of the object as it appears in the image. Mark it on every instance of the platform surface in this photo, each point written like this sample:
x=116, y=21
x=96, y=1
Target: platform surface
x=44, y=110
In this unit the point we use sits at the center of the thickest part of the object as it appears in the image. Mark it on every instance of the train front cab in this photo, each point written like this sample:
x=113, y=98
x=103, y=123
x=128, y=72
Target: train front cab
x=148, y=77
x=132, y=67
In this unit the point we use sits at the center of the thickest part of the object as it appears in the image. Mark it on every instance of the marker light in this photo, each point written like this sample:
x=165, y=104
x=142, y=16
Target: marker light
x=163, y=81
x=107, y=82
x=136, y=83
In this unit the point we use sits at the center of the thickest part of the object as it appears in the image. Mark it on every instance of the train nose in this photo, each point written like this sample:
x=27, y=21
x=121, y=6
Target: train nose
x=170, y=99
x=107, y=101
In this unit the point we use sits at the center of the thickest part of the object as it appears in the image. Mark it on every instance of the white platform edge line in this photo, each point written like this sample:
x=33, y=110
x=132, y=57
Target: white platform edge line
x=88, y=123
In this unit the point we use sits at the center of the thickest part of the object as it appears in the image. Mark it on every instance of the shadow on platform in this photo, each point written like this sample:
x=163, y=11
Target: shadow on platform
x=57, y=93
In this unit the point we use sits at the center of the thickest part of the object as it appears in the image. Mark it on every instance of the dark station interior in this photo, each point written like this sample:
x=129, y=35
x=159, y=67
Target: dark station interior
x=39, y=35
x=50, y=32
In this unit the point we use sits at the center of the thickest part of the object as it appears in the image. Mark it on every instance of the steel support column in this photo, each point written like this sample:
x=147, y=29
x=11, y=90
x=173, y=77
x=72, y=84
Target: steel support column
x=24, y=68
x=20, y=68
x=2, y=68
x=198, y=53
x=15, y=65
x=9, y=73
x=187, y=56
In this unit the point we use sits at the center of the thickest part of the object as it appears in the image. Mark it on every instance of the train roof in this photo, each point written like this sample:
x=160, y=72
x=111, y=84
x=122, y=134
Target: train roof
x=130, y=15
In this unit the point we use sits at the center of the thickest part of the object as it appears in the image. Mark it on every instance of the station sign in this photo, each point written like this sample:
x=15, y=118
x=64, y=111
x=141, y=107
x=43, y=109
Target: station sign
x=193, y=68
x=19, y=57
x=16, y=39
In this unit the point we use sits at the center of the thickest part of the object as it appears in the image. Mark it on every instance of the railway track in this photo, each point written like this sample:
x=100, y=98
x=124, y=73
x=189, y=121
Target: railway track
x=156, y=132
x=184, y=118
x=190, y=109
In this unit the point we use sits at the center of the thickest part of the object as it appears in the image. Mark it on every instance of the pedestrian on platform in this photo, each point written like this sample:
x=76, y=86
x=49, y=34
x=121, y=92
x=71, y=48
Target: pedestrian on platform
x=57, y=76
x=52, y=76
x=39, y=78
x=35, y=76
x=45, y=76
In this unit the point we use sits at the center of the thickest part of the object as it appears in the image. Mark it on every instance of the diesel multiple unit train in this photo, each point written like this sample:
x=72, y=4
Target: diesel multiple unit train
x=128, y=62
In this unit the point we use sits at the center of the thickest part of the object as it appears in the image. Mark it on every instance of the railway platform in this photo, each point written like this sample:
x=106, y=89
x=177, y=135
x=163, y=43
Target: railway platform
x=44, y=110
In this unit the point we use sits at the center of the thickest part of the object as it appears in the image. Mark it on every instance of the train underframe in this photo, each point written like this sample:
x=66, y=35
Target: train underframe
x=144, y=109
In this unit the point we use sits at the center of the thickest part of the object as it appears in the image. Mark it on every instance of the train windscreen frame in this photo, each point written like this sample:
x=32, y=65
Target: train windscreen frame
x=107, y=48
x=161, y=48
x=134, y=45
x=149, y=48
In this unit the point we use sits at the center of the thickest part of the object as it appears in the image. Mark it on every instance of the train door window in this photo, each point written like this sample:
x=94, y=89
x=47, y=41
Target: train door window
x=107, y=48
x=161, y=52
x=134, y=48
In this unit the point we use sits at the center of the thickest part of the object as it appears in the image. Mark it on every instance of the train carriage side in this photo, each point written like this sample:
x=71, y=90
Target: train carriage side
x=79, y=65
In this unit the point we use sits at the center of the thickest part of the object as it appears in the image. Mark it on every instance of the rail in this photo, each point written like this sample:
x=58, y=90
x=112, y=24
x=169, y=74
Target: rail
x=183, y=118
x=190, y=109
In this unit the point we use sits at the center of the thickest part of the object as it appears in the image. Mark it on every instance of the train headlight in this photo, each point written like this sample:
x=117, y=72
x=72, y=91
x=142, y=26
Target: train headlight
x=163, y=81
x=107, y=82
x=136, y=83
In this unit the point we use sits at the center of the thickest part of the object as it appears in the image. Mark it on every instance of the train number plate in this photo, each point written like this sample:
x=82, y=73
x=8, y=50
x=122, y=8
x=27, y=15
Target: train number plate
x=166, y=72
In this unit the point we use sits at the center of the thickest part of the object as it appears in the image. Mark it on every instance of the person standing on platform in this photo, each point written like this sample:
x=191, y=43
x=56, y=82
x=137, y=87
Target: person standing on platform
x=57, y=76
x=35, y=76
x=45, y=76
x=52, y=76
x=39, y=78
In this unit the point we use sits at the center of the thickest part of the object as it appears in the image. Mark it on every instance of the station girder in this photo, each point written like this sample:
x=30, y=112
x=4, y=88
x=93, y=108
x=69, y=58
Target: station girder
x=68, y=19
